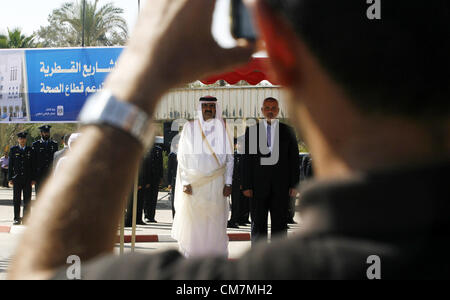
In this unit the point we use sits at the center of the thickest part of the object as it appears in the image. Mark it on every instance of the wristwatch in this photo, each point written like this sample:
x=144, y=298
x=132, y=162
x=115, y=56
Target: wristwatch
x=103, y=108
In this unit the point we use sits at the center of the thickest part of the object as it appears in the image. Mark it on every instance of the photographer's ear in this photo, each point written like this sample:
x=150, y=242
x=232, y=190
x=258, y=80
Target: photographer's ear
x=281, y=42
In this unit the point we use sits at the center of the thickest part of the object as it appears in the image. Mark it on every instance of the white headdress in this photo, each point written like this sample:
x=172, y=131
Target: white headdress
x=215, y=129
x=73, y=138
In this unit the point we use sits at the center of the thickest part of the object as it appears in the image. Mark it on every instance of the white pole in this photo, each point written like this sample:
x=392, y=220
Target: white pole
x=135, y=192
x=122, y=234
x=83, y=23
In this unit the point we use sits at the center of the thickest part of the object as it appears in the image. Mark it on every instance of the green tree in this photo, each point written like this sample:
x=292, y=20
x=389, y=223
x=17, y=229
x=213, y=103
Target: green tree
x=8, y=133
x=104, y=25
x=16, y=39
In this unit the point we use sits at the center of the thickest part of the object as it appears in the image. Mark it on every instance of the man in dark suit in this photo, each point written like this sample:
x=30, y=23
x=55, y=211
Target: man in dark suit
x=21, y=176
x=172, y=167
x=303, y=157
x=307, y=170
x=236, y=194
x=240, y=208
x=271, y=171
x=155, y=174
x=43, y=152
x=244, y=203
x=144, y=182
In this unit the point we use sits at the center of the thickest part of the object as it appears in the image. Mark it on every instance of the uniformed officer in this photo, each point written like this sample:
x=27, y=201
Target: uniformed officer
x=155, y=177
x=172, y=167
x=236, y=194
x=43, y=152
x=305, y=174
x=142, y=194
x=21, y=176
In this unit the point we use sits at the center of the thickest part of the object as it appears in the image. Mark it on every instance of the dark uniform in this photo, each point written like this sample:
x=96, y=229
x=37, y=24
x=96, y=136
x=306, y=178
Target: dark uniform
x=172, y=167
x=244, y=204
x=142, y=194
x=238, y=205
x=150, y=173
x=293, y=200
x=21, y=173
x=155, y=176
x=305, y=173
x=307, y=170
x=43, y=153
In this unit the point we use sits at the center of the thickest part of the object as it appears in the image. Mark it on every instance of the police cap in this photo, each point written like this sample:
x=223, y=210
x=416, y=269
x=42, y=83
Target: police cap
x=45, y=128
x=22, y=135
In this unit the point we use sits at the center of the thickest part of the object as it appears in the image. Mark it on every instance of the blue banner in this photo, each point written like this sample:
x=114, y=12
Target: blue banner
x=60, y=80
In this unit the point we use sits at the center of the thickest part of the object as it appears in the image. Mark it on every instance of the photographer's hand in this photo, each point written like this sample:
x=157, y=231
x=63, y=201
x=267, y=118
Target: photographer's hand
x=172, y=44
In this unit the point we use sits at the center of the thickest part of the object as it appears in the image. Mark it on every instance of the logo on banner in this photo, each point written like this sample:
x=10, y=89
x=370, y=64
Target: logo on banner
x=60, y=111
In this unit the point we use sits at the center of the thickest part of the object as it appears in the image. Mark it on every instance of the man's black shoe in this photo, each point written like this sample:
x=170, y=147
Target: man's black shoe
x=17, y=222
x=147, y=220
x=232, y=225
x=130, y=224
x=291, y=221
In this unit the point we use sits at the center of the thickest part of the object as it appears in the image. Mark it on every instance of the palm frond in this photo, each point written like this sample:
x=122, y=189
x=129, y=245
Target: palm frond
x=104, y=25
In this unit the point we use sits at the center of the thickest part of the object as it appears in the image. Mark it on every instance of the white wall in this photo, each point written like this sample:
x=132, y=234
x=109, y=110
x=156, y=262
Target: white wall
x=237, y=102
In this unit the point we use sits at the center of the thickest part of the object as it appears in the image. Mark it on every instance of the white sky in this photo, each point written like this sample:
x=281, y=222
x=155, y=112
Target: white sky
x=29, y=15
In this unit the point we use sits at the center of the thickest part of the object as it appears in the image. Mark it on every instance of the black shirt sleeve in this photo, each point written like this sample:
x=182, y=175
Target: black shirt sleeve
x=171, y=167
x=247, y=164
x=294, y=160
x=11, y=164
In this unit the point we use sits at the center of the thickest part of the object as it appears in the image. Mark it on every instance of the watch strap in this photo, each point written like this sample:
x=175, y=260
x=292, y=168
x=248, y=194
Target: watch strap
x=103, y=108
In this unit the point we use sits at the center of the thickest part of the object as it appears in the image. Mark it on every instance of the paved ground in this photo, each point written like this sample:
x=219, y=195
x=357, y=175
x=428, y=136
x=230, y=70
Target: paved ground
x=162, y=229
x=7, y=245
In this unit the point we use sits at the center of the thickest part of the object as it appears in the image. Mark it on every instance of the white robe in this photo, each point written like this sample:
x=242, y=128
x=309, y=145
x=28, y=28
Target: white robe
x=200, y=224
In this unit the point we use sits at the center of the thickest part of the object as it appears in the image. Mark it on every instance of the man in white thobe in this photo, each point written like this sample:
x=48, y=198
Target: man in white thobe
x=204, y=178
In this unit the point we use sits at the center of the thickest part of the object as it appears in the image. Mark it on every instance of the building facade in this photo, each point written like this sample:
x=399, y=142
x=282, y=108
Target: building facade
x=12, y=97
x=237, y=102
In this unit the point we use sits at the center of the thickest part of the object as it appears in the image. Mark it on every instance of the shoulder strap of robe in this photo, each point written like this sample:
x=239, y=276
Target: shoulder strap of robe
x=207, y=143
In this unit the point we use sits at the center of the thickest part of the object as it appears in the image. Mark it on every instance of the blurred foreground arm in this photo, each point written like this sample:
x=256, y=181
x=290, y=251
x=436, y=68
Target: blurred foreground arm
x=78, y=211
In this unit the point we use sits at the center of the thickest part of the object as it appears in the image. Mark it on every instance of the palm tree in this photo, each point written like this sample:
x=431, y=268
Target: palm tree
x=15, y=39
x=104, y=26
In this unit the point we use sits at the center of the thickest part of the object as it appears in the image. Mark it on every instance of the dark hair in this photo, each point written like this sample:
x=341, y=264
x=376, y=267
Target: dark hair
x=271, y=99
x=398, y=64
